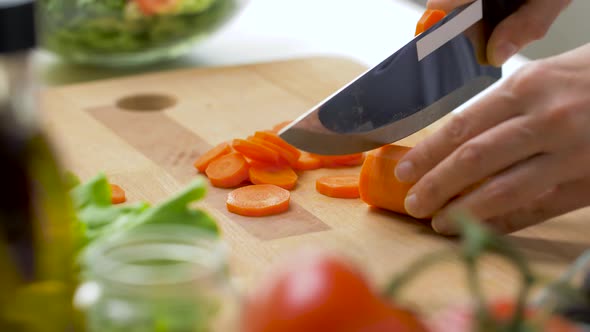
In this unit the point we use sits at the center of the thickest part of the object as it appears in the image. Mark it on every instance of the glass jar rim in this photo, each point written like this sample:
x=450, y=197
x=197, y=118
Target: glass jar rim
x=157, y=255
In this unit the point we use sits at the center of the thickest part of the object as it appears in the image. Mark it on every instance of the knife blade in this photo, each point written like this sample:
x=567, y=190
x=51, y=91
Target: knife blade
x=421, y=82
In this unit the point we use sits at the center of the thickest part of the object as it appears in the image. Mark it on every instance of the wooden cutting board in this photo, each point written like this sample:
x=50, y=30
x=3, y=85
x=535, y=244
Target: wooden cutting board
x=150, y=154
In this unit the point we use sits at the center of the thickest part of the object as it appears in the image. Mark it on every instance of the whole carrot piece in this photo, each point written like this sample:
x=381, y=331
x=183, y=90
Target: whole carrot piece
x=378, y=185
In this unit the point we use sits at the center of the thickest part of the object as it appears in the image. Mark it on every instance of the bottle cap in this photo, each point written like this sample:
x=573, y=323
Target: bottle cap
x=17, y=25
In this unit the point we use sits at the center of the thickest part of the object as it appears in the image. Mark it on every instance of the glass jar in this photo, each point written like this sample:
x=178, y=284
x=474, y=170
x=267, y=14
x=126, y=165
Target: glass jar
x=169, y=278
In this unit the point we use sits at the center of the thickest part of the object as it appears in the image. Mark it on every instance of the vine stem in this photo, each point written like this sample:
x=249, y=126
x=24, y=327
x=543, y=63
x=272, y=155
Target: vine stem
x=476, y=241
x=393, y=287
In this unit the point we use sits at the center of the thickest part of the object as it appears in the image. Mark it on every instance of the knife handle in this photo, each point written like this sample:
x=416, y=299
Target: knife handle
x=495, y=11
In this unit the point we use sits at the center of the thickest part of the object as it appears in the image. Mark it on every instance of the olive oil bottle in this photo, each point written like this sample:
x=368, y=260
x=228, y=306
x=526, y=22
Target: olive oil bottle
x=37, y=277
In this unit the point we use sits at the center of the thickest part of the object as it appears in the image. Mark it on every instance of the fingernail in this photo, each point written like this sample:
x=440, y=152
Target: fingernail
x=442, y=226
x=411, y=205
x=503, y=52
x=404, y=171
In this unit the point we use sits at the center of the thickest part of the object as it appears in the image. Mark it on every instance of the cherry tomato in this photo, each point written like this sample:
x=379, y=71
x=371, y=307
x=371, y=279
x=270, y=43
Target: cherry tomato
x=460, y=319
x=152, y=7
x=394, y=319
x=319, y=292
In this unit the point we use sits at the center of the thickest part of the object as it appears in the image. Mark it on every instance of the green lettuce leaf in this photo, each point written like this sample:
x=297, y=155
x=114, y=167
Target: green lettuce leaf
x=98, y=217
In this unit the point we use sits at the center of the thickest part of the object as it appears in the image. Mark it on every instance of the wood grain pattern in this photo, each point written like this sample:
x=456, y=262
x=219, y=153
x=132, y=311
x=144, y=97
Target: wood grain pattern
x=175, y=148
x=150, y=154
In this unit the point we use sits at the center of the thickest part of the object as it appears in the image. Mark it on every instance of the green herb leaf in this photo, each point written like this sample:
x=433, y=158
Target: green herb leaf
x=175, y=210
x=98, y=217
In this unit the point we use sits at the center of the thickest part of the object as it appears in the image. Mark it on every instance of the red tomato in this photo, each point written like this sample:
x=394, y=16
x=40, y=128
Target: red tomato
x=322, y=293
x=394, y=319
x=152, y=7
x=461, y=319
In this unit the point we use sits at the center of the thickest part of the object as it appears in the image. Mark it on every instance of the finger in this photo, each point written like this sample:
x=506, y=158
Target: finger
x=560, y=200
x=529, y=23
x=446, y=5
x=498, y=106
x=489, y=153
x=517, y=186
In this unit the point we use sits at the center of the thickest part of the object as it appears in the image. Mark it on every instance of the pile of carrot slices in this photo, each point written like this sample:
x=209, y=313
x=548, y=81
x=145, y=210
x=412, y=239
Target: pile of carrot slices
x=263, y=169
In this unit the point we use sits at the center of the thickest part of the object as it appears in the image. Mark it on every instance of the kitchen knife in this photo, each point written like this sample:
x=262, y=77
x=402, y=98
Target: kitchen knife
x=426, y=79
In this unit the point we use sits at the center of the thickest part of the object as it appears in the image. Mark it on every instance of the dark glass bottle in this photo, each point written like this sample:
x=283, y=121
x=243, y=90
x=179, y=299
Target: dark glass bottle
x=36, y=265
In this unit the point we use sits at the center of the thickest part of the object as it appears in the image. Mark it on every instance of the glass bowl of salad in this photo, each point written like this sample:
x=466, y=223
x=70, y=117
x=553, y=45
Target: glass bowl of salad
x=119, y=33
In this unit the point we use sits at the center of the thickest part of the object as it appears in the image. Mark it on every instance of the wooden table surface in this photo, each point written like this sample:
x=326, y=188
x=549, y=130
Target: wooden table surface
x=150, y=154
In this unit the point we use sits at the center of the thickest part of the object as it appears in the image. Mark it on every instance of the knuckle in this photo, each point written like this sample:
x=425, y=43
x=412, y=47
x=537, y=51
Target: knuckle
x=470, y=155
x=422, y=155
x=458, y=129
x=564, y=119
x=526, y=81
x=528, y=135
x=430, y=190
x=499, y=193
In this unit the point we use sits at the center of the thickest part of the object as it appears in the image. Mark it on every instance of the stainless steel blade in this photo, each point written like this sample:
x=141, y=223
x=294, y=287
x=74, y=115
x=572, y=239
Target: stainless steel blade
x=420, y=83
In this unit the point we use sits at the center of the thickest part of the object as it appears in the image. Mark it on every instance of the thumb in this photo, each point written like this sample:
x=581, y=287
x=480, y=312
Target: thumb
x=529, y=23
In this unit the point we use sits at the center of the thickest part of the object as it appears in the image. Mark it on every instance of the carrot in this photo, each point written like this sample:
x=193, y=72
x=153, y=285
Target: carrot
x=307, y=161
x=205, y=159
x=280, y=126
x=257, y=163
x=282, y=176
x=258, y=200
x=339, y=186
x=354, y=159
x=117, y=194
x=288, y=151
x=378, y=185
x=285, y=156
x=228, y=171
x=428, y=19
x=256, y=151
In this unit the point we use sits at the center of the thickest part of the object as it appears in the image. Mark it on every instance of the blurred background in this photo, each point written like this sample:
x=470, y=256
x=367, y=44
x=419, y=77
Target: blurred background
x=568, y=32
x=249, y=39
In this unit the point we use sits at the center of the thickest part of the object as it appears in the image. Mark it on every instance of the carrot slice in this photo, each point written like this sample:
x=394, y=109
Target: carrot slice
x=256, y=151
x=284, y=154
x=258, y=200
x=282, y=176
x=307, y=162
x=354, y=159
x=293, y=152
x=428, y=19
x=117, y=194
x=228, y=171
x=378, y=185
x=280, y=126
x=339, y=186
x=205, y=159
x=257, y=163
